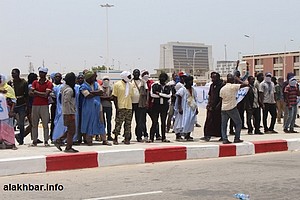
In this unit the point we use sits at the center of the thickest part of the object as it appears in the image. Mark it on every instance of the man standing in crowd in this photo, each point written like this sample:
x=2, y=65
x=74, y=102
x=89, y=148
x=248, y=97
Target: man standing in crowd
x=291, y=92
x=286, y=111
x=279, y=100
x=41, y=90
x=212, y=126
x=229, y=108
x=68, y=111
x=20, y=86
x=170, y=119
x=146, y=78
x=252, y=105
x=267, y=98
x=186, y=109
x=161, y=93
x=55, y=105
x=122, y=94
x=106, y=100
x=139, y=101
x=92, y=122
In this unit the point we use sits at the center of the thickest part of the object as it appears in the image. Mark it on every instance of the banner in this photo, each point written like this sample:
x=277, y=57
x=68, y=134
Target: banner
x=202, y=95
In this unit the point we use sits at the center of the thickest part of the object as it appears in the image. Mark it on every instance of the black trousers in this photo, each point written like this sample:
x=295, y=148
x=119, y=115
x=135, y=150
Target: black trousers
x=269, y=108
x=255, y=113
x=162, y=111
x=140, y=119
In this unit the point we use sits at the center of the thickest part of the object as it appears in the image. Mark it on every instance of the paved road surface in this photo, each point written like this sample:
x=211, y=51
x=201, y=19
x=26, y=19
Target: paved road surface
x=265, y=176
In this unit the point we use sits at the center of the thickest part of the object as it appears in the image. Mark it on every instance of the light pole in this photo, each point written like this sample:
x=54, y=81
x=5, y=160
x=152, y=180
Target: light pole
x=248, y=36
x=164, y=48
x=30, y=67
x=104, y=63
x=284, y=58
x=195, y=52
x=178, y=63
x=106, y=6
x=239, y=54
x=119, y=64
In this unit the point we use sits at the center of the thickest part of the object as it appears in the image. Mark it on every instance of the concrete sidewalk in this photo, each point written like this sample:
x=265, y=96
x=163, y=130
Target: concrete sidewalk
x=43, y=159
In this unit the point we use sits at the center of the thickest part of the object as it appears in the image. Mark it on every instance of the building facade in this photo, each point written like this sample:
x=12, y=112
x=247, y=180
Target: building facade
x=225, y=67
x=279, y=64
x=192, y=58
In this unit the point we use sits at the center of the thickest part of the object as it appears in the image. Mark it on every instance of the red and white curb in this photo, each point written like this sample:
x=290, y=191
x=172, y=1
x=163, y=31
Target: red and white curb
x=56, y=162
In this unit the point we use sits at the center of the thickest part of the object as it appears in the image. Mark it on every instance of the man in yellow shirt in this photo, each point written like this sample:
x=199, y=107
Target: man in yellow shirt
x=122, y=94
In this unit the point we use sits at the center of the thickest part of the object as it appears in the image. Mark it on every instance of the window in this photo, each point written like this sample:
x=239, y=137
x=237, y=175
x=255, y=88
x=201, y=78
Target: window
x=296, y=71
x=296, y=59
x=276, y=60
x=258, y=61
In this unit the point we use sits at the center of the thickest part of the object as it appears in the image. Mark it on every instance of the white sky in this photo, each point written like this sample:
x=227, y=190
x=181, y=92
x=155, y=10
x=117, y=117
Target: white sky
x=71, y=34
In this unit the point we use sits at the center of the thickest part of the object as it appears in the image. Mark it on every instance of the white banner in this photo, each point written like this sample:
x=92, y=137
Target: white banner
x=202, y=95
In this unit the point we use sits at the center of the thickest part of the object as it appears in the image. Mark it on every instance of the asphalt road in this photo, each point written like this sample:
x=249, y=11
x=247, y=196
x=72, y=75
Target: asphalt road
x=264, y=176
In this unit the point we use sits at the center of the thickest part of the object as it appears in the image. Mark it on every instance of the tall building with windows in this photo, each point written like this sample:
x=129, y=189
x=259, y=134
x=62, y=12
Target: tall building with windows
x=193, y=58
x=279, y=64
x=225, y=67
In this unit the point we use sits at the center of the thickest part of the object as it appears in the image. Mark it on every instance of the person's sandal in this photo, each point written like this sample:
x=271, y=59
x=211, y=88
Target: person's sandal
x=165, y=140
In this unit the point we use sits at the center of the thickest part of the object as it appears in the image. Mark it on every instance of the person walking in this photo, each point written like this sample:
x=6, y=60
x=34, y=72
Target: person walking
x=20, y=87
x=68, y=111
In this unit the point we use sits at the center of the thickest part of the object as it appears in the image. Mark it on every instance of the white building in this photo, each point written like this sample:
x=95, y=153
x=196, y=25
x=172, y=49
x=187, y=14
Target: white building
x=193, y=58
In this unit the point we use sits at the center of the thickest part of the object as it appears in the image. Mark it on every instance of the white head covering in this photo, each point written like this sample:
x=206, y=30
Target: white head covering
x=3, y=79
x=124, y=75
x=43, y=69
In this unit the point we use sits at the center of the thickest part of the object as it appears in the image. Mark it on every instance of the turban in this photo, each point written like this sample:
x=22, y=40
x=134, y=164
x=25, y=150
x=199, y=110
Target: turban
x=88, y=75
x=43, y=69
x=124, y=75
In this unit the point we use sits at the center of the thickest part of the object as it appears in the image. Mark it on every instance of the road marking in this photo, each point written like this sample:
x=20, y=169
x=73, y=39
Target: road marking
x=126, y=195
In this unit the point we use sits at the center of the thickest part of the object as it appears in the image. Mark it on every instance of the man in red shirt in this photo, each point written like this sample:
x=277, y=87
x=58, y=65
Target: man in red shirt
x=40, y=109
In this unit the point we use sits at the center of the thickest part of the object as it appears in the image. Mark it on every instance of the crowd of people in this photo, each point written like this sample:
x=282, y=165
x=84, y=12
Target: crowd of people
x=80, y=108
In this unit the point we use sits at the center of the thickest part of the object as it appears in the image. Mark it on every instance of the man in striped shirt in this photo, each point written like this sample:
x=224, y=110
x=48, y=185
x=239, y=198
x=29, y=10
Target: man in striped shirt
x=291, y=92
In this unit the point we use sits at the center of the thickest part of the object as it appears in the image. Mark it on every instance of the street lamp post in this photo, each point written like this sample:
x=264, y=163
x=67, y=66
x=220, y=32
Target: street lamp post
x=253, y=63
x=106, y=6
x=195, y=52
x=164, y=48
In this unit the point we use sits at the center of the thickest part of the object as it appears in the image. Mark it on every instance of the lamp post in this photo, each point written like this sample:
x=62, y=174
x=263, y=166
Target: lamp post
x=106, y=6
x=195, y=52
x=248, y=36
x=164, y=48
x=284, y=58
x=30, y=67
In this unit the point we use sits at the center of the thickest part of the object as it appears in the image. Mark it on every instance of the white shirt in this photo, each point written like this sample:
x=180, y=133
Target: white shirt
x=137, y=84
x=228, y=94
